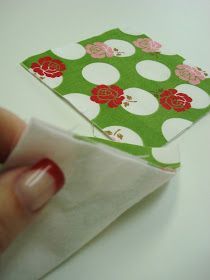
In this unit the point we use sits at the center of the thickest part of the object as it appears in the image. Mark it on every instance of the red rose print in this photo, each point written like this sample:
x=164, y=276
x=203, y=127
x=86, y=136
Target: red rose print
x=172, y=99
x=112, y=95
x=49, y=67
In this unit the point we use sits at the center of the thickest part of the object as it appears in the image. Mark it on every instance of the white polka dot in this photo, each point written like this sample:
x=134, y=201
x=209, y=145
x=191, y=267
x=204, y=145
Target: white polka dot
x=53, y=82
x=100, y=73
x=130, y=30
x=70, y=51
x=50, y=82
x=123, y=134
x=153, y=70
x=83, y=103
x=123, y=48
x=139, y=102
x=169, y=154
x=174, y=126
x=98, y=133
x=200, y=98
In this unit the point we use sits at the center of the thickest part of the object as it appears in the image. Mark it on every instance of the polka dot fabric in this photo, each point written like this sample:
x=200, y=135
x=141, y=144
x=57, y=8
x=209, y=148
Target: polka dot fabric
x=127, y=85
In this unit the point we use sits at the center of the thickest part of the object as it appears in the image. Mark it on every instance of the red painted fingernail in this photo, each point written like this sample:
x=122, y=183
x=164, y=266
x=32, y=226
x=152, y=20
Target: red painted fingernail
x=38, y=184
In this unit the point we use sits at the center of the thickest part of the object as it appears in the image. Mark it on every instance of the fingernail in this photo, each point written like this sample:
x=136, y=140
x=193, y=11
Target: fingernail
x=39, y=184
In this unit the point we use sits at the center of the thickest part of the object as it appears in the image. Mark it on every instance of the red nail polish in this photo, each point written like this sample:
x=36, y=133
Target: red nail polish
x=39, y=183
x=52, y=169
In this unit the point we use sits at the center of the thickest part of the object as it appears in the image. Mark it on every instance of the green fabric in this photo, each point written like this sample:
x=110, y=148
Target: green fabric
x=144, y=153
x=146, y=111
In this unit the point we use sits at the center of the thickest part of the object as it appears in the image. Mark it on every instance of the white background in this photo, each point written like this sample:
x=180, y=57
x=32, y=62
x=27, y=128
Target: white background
x=167, y=236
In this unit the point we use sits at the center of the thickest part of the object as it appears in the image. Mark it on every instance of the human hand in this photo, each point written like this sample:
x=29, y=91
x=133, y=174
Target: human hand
x=24, y=190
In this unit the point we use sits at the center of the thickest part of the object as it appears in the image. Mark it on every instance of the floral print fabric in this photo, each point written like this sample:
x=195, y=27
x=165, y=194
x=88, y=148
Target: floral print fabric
x=128, y=86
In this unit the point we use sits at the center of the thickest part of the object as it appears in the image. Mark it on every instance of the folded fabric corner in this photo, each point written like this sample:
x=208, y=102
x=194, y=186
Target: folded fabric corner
x=102, y=183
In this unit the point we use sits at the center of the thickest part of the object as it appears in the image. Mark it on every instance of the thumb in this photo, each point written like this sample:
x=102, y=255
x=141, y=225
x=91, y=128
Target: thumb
x=23, y=192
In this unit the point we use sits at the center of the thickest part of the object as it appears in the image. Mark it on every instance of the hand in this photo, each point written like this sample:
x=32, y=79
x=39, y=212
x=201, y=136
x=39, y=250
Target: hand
x=25, y=190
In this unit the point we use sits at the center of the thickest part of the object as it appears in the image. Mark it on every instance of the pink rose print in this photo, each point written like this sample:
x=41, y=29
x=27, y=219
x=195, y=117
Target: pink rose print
x=99, y=50
x=147, y=45
x=193, y=75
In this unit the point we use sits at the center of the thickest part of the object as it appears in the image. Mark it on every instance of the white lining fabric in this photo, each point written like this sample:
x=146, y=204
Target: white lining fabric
x=101, y=184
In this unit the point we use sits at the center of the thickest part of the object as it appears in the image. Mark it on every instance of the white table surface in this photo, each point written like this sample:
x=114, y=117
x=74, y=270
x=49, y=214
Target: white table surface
x=167, y=236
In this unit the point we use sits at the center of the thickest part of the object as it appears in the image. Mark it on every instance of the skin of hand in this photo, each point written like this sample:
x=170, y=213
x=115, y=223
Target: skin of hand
x=24, y=191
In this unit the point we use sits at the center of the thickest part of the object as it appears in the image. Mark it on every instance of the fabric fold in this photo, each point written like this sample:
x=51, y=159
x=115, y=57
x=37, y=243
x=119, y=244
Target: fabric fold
x=101, y=184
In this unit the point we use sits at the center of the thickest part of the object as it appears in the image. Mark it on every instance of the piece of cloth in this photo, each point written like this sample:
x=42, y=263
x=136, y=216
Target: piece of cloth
x=101, y=183
x=129, y=86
